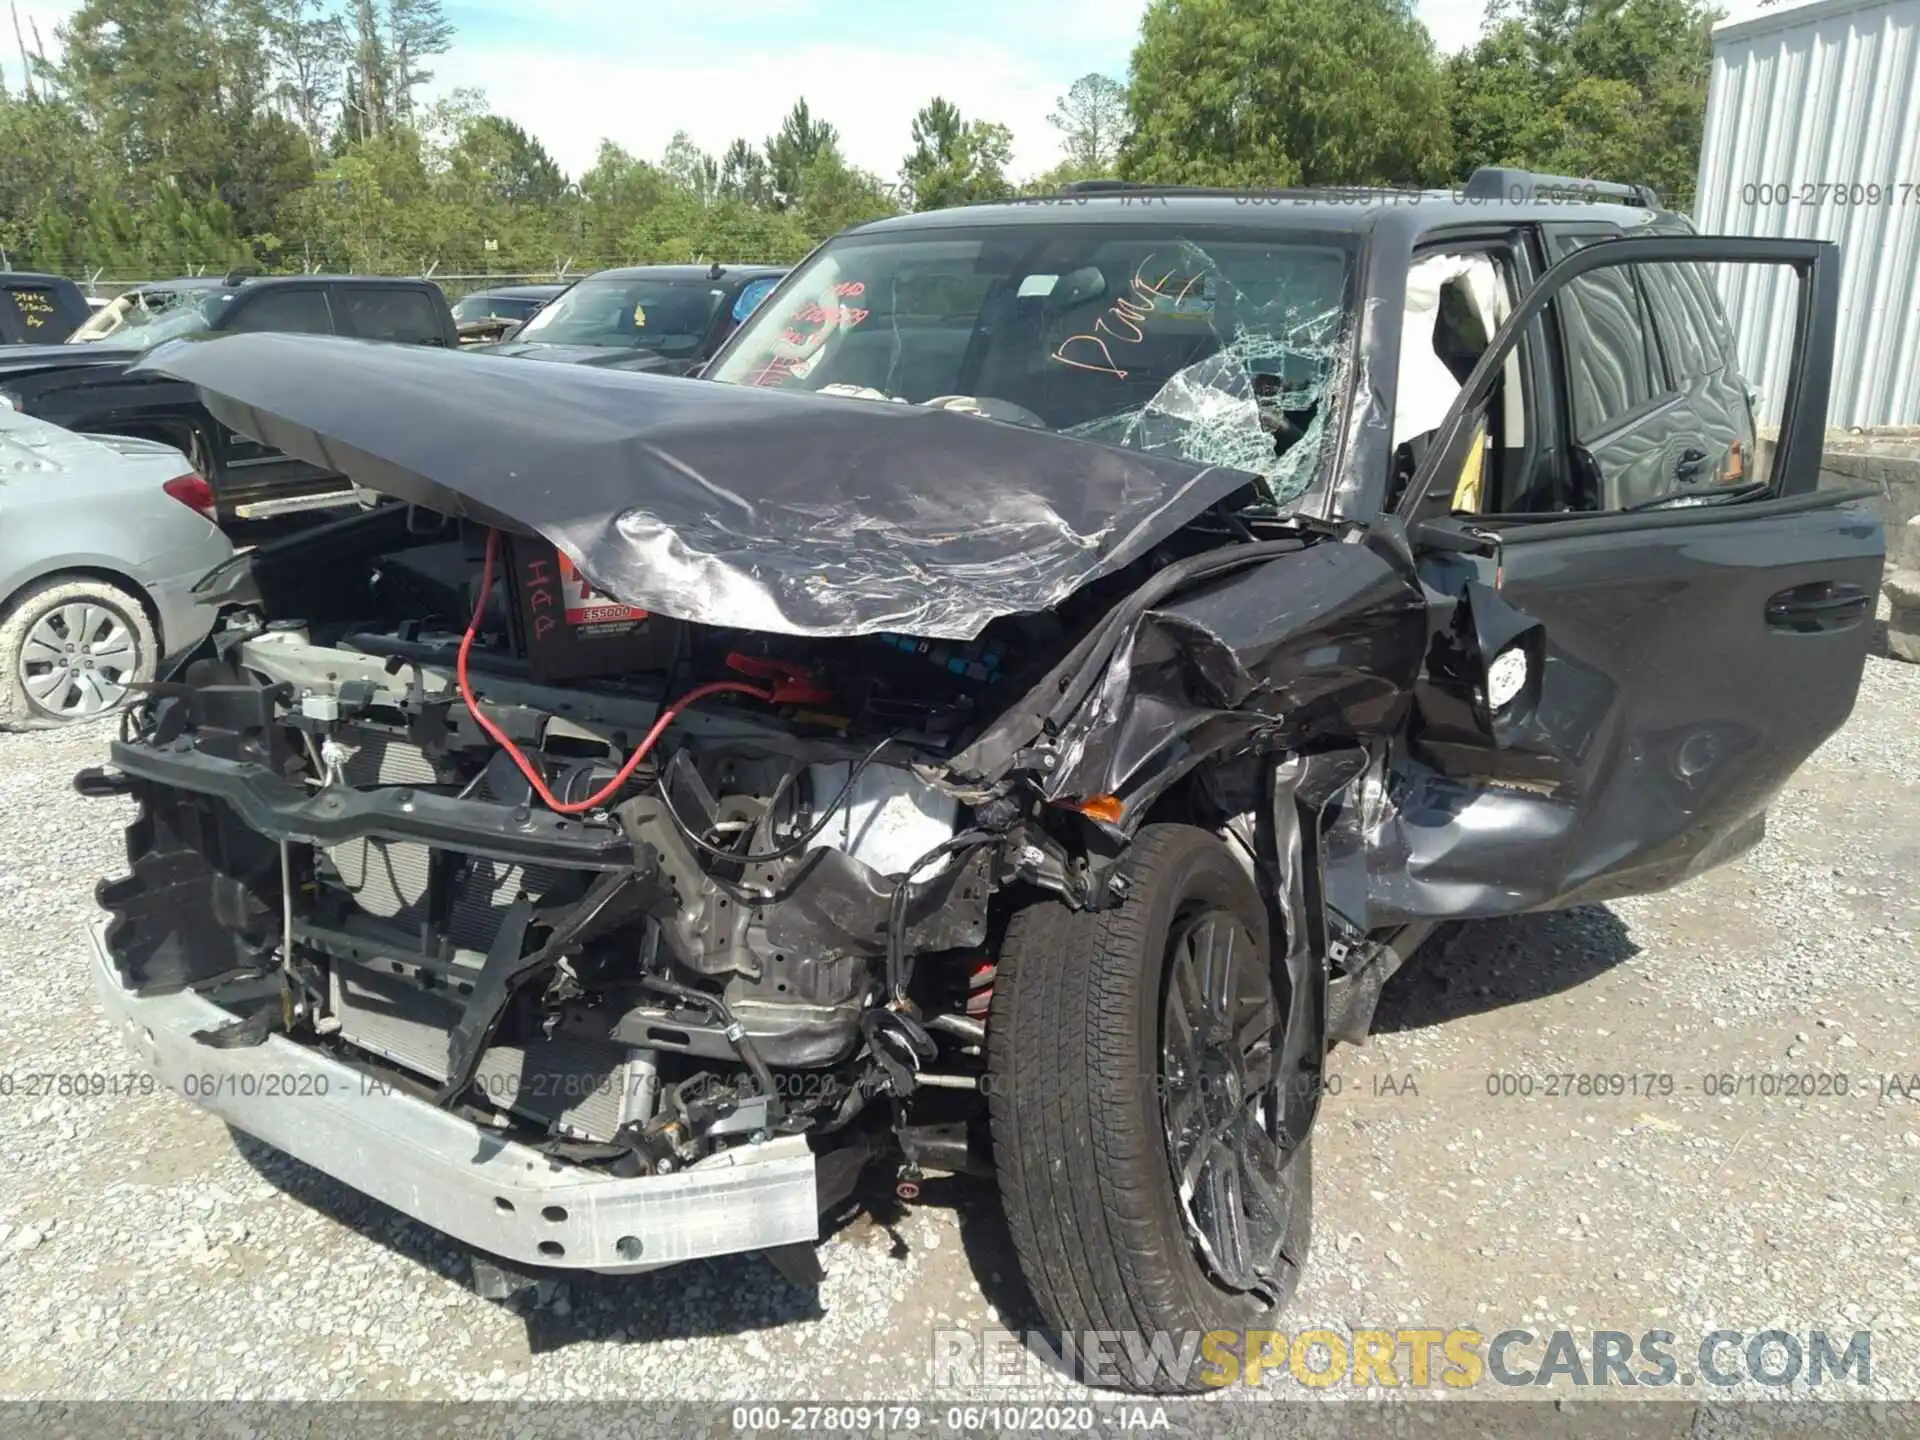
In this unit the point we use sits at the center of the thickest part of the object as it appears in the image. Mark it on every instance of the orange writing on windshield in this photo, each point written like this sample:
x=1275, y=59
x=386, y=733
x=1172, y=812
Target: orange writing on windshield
x=1120, y=324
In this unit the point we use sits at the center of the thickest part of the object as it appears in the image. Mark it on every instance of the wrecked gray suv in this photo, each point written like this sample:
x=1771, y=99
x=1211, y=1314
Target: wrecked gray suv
x=1011, y=715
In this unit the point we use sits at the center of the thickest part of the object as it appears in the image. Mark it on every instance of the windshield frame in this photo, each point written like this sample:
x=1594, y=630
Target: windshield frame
x=1347, y=359
x=532, y=330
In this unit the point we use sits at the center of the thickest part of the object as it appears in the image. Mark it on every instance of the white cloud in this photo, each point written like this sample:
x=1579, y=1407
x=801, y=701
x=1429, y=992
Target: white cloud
x=869, y=92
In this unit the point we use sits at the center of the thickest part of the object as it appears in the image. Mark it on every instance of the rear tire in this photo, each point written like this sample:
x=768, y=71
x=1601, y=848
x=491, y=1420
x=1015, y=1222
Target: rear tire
x=1083, y=1096
x=70, y=648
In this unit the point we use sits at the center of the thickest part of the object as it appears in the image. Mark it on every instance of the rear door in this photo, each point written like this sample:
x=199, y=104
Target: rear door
x=1617, y=689
x=397, y=314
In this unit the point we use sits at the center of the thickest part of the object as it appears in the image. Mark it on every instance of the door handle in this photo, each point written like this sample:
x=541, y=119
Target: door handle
x=1821, y=605
x=1688, y=466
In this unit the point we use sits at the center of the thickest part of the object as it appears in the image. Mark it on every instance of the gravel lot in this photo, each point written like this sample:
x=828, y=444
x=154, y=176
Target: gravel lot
x=147, y=1253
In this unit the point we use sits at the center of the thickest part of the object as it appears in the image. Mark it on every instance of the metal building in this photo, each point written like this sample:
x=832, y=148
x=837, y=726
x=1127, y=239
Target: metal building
x=1813, y=129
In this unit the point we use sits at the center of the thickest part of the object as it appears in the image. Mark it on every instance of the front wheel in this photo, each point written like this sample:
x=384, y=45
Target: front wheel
x=1134, y=1060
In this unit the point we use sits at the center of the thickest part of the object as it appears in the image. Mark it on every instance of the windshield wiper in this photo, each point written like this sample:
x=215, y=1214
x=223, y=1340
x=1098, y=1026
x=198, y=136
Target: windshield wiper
x=1685, y=499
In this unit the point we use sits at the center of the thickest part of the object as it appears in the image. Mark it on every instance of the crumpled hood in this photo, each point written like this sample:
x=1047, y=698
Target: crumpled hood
x=722, y=504
x=606, y=357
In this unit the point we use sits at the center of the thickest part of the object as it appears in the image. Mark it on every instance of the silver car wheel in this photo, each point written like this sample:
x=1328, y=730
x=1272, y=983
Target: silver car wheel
x=79, y=660
x=1219, y=1062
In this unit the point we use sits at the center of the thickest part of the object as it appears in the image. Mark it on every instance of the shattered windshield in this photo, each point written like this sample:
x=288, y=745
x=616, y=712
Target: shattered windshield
x=146, y=317
x=1212, y=346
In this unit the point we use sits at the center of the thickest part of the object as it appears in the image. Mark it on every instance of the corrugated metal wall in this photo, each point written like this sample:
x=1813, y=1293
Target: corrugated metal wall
x=1810, y=112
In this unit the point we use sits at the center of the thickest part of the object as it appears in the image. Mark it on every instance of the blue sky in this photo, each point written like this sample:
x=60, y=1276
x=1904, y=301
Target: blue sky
x=574, y=71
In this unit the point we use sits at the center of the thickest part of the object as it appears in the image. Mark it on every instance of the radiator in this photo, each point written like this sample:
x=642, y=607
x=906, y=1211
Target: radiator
x=584, y=1089
x=387, y=878
x=393, y=879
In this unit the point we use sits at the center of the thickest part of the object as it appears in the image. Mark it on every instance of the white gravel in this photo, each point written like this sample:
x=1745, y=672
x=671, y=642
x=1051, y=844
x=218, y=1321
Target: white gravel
x=144, y=1253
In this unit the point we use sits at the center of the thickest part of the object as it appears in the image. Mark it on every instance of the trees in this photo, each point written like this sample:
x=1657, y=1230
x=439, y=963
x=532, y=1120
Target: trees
x=1278, y=92
x=615, y=194
x=372, y=209
x=1608, y=88
x=1092, y=120
x=508, y=165
x=691, y=168
x=733, y=209
x=177, y=133
x=385, y=57
x=955, y=161
x=49, y=169
x=796, y=145
x=178, y=96
x=305, y=42
x=417, y=30
x=835, y=195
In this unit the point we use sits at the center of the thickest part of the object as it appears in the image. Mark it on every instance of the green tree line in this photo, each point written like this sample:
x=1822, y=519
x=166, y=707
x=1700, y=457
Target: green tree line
x=300, y=134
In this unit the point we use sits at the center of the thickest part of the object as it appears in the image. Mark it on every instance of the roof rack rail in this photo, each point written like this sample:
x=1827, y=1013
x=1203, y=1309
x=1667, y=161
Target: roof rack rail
x=1103, y=186
x=1503, y=182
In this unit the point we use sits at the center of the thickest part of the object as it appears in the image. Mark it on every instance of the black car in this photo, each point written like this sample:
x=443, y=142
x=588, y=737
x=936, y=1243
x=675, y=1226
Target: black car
x=1012, y=715
x=88, y=384
x=38, y=309
x=666, y=319
x=487, y=315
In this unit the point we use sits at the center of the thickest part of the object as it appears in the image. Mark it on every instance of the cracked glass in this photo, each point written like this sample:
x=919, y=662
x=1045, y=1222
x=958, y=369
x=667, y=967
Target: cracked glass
x=1216, y=347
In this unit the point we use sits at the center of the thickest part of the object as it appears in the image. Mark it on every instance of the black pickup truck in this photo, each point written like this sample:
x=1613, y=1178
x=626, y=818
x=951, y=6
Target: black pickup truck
x=85, y=384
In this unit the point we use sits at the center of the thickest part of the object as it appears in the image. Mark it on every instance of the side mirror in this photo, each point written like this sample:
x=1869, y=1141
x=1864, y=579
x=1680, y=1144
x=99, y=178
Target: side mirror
x=1511, y=650
x=1484, y=671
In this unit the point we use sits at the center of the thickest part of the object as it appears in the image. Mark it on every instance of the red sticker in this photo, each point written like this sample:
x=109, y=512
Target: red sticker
x=585, y=606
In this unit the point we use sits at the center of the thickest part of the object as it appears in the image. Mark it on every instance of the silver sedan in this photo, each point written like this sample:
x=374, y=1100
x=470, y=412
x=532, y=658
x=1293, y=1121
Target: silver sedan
x=101, y=542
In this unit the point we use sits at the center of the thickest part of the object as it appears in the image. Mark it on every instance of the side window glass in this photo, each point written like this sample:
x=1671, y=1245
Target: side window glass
x=1716, y=339
x=403, y=316
x=1612, y=366
x=299, y=312
x=1679, y=324
x=1698, y=436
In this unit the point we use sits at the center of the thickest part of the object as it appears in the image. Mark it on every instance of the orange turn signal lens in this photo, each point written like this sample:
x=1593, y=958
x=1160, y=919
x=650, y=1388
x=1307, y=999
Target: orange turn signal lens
x=1107, y=809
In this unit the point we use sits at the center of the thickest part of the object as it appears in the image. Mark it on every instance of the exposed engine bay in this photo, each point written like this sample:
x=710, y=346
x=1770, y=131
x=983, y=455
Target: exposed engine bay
x=634, y=888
